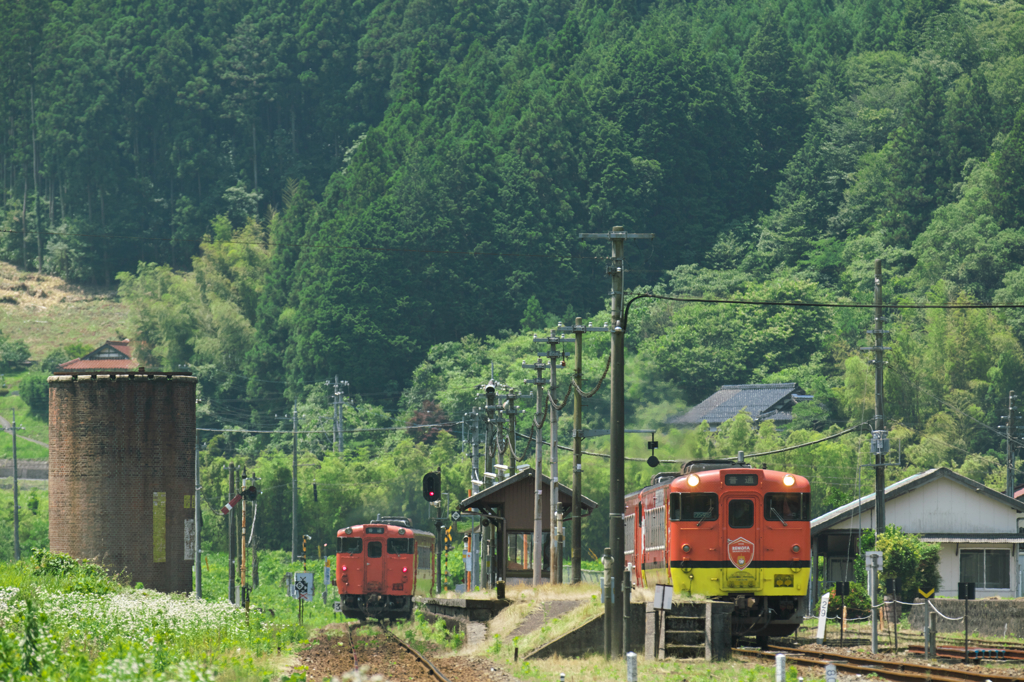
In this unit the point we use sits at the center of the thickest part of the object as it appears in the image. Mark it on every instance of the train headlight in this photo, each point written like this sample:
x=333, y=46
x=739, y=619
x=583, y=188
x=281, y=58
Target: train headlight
x=788, y=480
x=796, y=548
x=686, y=548
x=401, y=531
x=693, y=480
x=348, y=531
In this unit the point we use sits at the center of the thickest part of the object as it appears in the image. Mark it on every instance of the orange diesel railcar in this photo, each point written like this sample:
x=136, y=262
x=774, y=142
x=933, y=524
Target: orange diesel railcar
x=381, y=566
x=727, y=531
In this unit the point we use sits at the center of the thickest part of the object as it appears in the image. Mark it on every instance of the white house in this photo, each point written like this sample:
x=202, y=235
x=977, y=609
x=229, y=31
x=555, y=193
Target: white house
x=979, y=530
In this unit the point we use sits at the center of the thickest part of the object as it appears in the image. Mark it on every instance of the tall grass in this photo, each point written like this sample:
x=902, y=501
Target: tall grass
x=61, y=619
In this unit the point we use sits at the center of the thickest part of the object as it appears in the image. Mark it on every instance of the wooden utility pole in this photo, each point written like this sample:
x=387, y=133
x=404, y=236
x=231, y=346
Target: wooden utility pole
x=14, y=447
x=295, y=481
x=577, y=446
x=617, y=473
x=538, y=512
x=231, y=536
x=198, y=523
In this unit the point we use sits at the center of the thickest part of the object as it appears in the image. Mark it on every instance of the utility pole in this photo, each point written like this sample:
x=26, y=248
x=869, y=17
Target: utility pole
x=538, y=514
x=1010, y=435
x=295, y=481
x=577, y=458
x=231, y=535
x=577, y=445
x=14, y=446
x=879, y=439
x=339, y=412
x=198, y=523
x=552, y=355
x=617, y=464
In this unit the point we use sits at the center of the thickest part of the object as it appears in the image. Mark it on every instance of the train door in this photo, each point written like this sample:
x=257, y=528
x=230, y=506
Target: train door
x=374, y=566
x=743, y=534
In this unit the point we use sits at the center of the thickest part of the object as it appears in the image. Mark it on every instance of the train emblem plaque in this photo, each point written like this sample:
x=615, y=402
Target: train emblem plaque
x=740, y=552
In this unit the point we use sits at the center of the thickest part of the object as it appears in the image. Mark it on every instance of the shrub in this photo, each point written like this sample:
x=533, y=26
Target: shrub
x=35, y=392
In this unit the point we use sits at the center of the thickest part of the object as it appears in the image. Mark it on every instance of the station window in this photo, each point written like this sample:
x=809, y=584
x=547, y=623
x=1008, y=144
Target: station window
x=988, y=569
x=693, y=506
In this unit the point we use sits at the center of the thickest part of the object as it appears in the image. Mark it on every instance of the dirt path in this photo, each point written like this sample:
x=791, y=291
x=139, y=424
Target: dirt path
x=7, y=425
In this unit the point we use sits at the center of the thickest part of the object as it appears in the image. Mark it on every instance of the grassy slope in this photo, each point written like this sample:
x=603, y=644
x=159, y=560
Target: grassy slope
x=47, y=313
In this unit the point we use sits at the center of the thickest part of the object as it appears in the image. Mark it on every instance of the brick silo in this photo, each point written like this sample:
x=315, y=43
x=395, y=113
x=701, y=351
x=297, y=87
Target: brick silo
x=122, y=453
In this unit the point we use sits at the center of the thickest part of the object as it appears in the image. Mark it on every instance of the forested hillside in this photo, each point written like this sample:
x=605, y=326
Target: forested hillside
x=392, y=192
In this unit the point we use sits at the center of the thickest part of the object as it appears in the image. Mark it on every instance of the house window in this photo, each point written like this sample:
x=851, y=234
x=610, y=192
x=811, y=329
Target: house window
x=989, y=569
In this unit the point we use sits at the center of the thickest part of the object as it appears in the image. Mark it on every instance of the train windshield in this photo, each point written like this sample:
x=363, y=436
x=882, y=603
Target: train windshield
x=693, y=507
x=373, y=550
x=350, y=545
x=399, y=546
x=787, y=507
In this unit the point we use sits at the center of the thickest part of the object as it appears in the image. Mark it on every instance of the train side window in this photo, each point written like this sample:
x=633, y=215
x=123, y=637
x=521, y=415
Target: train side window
x=399, y=546
x=350, y=545
x=693, y=506
x=373, y=550
x=424, y=558
x=741, y=513
x=787, y=506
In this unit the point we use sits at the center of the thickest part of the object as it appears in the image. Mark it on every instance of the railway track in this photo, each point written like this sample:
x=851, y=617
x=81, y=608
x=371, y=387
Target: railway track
x=891, y=670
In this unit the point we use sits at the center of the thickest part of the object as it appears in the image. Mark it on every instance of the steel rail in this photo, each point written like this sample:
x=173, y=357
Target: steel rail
x=890, y=670
x=431, y=668
x=977, y=653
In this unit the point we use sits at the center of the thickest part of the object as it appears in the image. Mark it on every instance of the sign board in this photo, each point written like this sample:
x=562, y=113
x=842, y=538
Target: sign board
x=456, y=516
x=927, y=594
x=823, y=616
x=965, y=590
x=663, y=597
x=302, y=585
x=337, y=607
x=190, y=539
x=831, y=673
x=327, y=575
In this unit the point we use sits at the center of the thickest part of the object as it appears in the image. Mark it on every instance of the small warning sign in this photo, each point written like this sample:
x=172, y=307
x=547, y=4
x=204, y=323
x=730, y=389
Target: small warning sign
x=741, y=553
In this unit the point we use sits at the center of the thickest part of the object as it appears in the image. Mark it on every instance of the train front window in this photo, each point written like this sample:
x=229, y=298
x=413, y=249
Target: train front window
x=693, y=507
x=787, y=507
x=741, y=513
x=373, y=549
x=350, y=545
x=399, y=546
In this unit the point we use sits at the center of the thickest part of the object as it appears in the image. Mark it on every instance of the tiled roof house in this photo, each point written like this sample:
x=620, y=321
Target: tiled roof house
x=761, y=401
x=111, y=355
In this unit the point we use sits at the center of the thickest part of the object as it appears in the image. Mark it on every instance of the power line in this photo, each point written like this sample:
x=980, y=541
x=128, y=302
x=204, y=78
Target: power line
x=818, y=304
x=376, y=249
x=361, y=430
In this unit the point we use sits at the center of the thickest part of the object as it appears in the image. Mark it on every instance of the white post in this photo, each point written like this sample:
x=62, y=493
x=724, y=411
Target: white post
x=780, y=667
x=631, y=667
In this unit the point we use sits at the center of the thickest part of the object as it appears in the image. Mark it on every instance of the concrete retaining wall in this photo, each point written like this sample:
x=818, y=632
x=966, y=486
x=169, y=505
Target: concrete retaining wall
x=990, y=617
x=36, y=469
x=589, y=637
